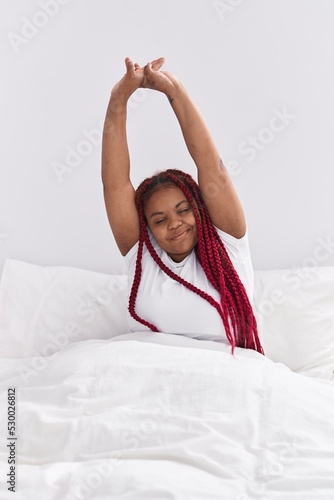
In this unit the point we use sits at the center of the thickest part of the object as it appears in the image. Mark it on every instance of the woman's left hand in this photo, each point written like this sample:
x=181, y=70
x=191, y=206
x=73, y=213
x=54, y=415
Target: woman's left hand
x=155, y=79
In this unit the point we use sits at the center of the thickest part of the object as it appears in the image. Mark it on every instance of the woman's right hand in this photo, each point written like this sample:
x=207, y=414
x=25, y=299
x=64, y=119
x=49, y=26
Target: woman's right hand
x=133, y=79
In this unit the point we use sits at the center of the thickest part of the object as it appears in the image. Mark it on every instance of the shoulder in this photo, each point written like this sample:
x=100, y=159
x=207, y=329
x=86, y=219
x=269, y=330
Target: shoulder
x=235, y=246
x=240, y=255
x=131, y=257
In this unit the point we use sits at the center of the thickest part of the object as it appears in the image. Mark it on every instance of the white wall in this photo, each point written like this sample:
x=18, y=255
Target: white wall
x=243, y=62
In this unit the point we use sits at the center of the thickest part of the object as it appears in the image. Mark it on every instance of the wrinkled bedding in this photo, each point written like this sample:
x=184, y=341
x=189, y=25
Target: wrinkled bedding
x=159, y=416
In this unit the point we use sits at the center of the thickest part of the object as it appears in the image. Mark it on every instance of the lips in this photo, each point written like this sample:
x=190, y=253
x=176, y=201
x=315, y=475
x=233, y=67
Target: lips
x=180, y=235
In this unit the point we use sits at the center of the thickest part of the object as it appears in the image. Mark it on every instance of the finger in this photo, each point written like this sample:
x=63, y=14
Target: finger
x=148, y=68
x=148, y=76
x=157, y=63
x=129, y=66
x=136, y=66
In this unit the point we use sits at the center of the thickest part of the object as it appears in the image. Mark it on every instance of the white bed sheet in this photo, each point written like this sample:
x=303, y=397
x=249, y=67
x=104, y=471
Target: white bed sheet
x=45, y=308
x=158, y=416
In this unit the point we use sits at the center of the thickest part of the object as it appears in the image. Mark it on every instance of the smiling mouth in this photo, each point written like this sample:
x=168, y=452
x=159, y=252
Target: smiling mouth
x=181, y=235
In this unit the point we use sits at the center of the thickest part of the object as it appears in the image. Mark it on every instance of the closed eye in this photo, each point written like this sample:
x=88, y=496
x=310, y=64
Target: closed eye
x=184, y=210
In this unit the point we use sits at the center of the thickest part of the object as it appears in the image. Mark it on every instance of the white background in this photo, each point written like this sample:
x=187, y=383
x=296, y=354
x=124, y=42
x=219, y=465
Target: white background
x=241, y=61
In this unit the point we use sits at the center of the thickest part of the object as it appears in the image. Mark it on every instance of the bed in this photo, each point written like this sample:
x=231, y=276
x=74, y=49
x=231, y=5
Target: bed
x=100, y=413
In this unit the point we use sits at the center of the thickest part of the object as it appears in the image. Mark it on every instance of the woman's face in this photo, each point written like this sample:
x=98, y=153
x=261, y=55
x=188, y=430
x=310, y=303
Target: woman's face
x=171, y=220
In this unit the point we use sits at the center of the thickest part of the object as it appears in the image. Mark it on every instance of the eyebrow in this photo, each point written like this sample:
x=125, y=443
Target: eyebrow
x=176, y=206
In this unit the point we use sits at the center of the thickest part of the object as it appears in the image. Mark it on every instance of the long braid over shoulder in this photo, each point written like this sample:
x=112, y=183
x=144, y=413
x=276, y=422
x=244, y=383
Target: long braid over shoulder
x=234, y=308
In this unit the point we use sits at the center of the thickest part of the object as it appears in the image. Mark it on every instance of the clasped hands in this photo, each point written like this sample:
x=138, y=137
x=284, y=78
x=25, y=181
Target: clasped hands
x=148, y=76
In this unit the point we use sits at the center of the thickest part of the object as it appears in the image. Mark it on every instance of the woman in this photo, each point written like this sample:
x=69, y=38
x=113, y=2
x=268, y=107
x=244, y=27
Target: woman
x=185, y=243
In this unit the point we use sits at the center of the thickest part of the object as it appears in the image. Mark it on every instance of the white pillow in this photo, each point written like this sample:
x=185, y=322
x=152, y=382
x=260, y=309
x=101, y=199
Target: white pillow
x=43, y=309
x=295, y=314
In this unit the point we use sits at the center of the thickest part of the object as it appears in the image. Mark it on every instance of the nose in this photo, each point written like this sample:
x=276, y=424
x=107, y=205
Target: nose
x=174, y=223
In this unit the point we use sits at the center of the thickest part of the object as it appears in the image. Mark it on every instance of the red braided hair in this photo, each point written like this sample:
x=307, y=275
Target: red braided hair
x=234, y=308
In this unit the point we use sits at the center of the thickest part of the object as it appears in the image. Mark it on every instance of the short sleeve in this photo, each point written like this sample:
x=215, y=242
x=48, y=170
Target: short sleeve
x=238, y=248
x=130, y=257
x=239, y=253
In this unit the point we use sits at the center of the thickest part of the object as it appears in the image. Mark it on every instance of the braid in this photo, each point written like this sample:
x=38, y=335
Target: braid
x=234, y=308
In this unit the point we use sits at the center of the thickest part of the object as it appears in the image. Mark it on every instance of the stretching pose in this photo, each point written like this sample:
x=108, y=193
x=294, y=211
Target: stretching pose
x=185, y=244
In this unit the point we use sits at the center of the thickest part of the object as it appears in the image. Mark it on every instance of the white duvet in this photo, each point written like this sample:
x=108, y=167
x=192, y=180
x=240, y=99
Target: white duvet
x=152, y=416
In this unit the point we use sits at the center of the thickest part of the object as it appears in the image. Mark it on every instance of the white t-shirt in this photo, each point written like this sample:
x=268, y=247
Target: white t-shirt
x=173, y=308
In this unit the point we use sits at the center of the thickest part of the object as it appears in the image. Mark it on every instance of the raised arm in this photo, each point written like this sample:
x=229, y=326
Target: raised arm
x=218, y=192
x=119, y=193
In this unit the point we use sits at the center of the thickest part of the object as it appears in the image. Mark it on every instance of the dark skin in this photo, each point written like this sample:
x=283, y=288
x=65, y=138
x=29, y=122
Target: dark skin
x=216, y=187
x=172, y=222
